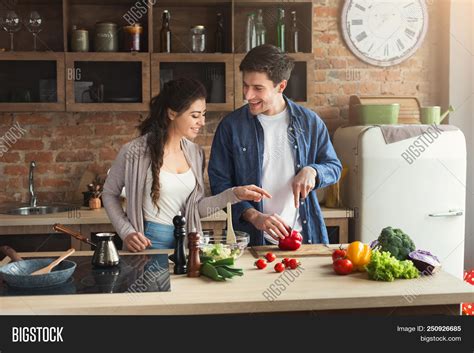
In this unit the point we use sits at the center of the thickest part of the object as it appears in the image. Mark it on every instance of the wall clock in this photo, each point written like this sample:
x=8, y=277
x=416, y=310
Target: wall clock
x=384, y=32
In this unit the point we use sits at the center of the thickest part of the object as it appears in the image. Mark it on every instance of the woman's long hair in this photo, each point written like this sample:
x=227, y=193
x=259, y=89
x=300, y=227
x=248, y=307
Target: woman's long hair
x=177, y=95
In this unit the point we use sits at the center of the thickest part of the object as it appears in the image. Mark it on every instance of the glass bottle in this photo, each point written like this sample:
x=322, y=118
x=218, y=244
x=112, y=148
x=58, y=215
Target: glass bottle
x=294, y=34
x=250, y=34
x=198, y=39
x=165, y=33
x=281, y=30
x=260, y=29
x=220, y=35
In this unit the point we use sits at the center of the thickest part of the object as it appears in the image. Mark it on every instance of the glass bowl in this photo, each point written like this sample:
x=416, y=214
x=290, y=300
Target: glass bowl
x=216, y=247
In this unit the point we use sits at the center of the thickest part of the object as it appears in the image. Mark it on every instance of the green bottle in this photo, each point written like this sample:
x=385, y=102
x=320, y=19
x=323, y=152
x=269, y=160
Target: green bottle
x=281, y=30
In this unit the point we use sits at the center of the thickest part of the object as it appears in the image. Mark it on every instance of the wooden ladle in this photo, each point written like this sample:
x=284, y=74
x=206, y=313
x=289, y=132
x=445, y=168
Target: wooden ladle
x=53, y=264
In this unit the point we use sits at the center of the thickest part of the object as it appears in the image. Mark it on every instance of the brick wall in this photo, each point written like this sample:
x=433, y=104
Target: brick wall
x=65, y=145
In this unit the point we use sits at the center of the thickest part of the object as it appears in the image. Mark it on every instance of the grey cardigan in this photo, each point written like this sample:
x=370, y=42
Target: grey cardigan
x=129, y=170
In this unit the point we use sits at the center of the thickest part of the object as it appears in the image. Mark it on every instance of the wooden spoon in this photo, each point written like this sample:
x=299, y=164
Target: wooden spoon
x=53, y=264
x=230, y=229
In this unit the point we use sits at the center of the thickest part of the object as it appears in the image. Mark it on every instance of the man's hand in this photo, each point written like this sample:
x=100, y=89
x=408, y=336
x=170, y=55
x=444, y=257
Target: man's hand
x=303, y=183
x=273, y=225
x=136, y=242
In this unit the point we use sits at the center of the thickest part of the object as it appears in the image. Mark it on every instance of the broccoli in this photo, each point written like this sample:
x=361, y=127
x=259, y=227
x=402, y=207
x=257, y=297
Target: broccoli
x=396, y=242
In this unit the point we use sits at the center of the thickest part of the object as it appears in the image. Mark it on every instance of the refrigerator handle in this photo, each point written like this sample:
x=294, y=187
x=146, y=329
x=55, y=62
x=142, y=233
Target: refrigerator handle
x=451, y=213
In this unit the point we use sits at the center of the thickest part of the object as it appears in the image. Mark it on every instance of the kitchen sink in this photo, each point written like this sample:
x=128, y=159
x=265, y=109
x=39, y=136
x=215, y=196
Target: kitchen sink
x=38, y=210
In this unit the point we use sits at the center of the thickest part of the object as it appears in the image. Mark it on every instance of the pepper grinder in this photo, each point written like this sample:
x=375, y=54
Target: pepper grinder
x=194, y=263
x=179, y=257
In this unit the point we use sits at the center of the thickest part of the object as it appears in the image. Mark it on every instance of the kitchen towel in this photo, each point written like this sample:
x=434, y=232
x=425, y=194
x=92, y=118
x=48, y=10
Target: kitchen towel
x=395, y=133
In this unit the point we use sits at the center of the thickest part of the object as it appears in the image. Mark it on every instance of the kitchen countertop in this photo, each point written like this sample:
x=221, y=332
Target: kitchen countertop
x=317, y=288
x=87, y=216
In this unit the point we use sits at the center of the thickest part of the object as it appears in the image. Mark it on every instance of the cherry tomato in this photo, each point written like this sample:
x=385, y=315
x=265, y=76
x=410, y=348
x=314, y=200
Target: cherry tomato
x=279, y=267
x=285, y=262
x=338, y=254
x=342, y=266
x=270, y=257
x=261, y=264
x=293, y=264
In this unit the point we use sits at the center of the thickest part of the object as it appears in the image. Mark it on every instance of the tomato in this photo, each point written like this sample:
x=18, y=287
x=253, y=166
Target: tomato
x=338, y=254
x=342, y=266
x=293, y=264
x=261, y=264
x=279, y=267
x=270, y=257
x=286, y=261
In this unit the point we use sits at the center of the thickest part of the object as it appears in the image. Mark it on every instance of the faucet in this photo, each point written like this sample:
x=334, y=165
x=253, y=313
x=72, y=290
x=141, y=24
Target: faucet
x=31, y=184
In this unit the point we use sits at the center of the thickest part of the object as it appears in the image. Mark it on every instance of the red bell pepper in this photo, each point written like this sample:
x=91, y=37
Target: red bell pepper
x=291, y=242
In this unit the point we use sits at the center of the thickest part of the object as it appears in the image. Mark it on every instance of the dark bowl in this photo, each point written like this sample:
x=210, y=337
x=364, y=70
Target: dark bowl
x=18, y=274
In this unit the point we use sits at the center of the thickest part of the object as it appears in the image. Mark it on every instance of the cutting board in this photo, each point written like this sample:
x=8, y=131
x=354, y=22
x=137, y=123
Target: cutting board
x=409, y=107
x=86, y=179
x=304, y=250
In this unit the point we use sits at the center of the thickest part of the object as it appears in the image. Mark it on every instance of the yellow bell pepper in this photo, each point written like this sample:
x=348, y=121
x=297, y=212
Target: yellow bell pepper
x=359, y=254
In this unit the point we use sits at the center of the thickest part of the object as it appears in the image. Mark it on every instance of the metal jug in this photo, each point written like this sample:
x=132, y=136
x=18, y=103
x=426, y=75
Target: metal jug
x=105, y=254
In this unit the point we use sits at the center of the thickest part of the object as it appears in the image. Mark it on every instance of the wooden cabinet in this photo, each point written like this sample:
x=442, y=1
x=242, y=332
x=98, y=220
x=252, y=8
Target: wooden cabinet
x=215, y=71
x=129, y=80
x=120, y=81
x=32, y=81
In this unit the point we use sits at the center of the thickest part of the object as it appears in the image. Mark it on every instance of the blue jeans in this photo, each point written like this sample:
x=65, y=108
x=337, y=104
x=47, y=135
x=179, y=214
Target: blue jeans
x=160, y=235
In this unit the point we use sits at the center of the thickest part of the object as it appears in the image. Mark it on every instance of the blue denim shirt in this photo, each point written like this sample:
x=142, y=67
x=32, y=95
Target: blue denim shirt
x=237, y=158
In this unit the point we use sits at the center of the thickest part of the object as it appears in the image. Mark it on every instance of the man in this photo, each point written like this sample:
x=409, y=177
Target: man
x=274, y=143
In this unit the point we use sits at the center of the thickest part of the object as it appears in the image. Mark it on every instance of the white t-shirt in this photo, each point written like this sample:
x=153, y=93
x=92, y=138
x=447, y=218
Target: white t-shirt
x=278, y=168
x=174, y=191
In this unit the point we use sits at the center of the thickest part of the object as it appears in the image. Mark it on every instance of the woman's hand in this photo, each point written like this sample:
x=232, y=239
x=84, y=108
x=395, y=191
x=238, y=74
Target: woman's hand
x=136, y=242
x=250, y=193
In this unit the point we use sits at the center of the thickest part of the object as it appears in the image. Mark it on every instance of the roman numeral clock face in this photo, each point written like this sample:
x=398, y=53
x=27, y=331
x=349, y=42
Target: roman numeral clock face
x=384, y=32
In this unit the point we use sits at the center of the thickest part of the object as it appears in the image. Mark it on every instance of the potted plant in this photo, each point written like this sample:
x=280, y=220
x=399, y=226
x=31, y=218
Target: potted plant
x=95, y=190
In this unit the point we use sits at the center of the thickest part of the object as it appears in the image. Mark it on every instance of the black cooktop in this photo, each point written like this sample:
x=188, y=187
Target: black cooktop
x=134, y=274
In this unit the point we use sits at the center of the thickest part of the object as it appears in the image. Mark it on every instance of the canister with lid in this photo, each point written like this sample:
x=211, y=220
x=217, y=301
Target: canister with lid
x=106, y=38
x=79, y=39
x=132, y=37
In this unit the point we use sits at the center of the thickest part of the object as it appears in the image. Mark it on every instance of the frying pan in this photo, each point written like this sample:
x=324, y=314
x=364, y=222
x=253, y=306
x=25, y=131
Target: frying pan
x=18, y=273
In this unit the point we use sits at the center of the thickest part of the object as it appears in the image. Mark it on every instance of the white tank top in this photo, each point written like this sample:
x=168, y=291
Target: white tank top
x=174, y=191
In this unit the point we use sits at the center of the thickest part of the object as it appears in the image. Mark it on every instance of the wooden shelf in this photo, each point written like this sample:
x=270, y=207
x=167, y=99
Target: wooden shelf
x=86, y=13
x=60, y=15
x=307, y=63
x=51, y=36
x=56, y=59
x=201, y=13
x=73, y=61
x=304, y=12
x=194, y=61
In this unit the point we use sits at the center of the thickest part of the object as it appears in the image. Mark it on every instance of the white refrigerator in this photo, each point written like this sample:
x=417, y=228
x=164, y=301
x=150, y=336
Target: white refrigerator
x=422, y=193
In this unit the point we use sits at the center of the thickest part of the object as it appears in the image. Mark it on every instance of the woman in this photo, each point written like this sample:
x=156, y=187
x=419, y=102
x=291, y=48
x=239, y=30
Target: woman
x=162, y=172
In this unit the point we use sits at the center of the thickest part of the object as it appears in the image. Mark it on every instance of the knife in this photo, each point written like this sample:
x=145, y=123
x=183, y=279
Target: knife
x=295, y=219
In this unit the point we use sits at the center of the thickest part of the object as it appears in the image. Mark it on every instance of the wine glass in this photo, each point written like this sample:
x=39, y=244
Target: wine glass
x=11, y=24
x=34, y=23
